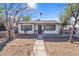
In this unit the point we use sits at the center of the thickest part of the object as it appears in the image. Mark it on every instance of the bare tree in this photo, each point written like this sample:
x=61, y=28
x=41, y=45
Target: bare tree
x=12, y=15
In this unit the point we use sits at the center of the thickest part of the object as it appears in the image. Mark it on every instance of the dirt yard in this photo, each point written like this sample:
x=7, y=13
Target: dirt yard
x=18, y=47
x=60, y=47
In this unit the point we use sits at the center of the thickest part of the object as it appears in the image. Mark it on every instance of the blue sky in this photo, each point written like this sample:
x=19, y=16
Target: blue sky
x=50, y=11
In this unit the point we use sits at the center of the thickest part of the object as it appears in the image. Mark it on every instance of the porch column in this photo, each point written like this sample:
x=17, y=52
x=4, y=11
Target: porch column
x=34, y=28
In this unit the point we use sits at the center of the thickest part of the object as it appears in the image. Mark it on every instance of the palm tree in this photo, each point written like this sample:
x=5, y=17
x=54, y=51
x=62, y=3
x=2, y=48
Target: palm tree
x=40, y=14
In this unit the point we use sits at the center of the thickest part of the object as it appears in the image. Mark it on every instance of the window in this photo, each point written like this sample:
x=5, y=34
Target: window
x=49, y=27
x=26, y=27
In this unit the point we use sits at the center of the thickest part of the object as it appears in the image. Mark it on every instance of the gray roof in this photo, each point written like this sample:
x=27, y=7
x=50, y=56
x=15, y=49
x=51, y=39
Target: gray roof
x=40, y=22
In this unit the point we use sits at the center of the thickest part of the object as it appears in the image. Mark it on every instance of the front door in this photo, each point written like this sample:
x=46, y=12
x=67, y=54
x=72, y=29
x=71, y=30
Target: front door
x=39, y=29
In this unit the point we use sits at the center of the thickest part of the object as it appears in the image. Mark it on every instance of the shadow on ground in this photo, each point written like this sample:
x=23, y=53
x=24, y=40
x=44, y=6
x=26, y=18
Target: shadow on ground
x=46, y=38
x=59, y=38
x=27, y=36
x=3, y=44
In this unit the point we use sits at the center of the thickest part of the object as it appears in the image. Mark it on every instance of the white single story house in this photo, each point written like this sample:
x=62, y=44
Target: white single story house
x=39, y=27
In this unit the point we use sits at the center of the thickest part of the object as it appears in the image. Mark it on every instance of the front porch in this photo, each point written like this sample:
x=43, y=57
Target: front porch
x=39, y=28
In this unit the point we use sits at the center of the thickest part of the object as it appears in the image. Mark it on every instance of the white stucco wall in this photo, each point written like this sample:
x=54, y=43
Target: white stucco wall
x=36, y=27
x=42, y=27
x=50, y=32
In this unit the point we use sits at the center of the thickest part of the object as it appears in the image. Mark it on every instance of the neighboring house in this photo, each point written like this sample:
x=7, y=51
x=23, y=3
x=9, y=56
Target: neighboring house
x=39, y=27
x=68, y=27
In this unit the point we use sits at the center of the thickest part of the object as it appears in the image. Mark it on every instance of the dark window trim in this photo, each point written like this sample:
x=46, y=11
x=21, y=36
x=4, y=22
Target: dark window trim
x=54, y=26
x=26, y=25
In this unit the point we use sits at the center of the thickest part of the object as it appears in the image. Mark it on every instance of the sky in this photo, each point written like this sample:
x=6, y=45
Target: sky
x=50, y=11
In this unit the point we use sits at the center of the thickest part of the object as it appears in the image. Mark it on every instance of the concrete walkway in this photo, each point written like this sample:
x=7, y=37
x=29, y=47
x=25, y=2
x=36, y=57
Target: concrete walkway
x=39, y=48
